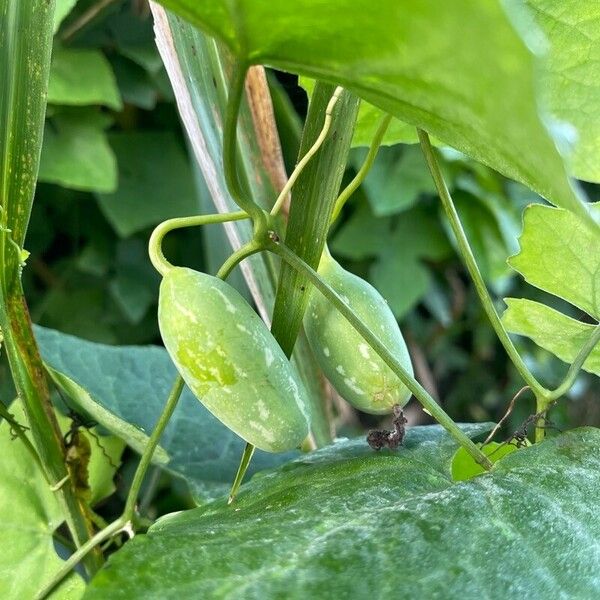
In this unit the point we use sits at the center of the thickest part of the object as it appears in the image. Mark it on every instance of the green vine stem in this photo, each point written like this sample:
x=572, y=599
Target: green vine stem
x=364, y=169
x=540, y=392
x=310, y=153
x=236, y=94
x=432, y=407
x=243, y=467
x=160, y=263
x=544, y=397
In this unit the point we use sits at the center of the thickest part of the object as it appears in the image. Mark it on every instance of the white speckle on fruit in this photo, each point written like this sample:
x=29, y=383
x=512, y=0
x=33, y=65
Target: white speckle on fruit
x=187, y=312
x=326, y=351
x=351, y=383
x=269, y=356
x=263, y=411
x=364, y=350
x=229, y=307
x=340, y=369
x=242, y=327
x=266, y=434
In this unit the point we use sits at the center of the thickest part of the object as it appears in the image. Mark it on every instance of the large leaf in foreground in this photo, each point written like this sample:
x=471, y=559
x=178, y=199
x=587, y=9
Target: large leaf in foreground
x=132, y=383
x=29, y=513
x=456, y=69
x=346, y=522
x=570, y=78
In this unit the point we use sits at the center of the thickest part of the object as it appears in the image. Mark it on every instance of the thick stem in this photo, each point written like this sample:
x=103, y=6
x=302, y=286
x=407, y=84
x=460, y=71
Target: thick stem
x=471, y=264
x=315, y=193
x=30, y=382
x=432, y=407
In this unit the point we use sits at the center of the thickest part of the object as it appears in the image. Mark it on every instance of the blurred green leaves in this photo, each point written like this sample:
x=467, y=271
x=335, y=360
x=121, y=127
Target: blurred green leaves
x=399, y=230
x=155, y=181
x=82, y=77
x=76, y=153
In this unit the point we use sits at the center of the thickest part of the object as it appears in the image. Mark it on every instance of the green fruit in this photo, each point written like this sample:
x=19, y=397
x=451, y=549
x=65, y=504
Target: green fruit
x=350, y=364
x=230, y=361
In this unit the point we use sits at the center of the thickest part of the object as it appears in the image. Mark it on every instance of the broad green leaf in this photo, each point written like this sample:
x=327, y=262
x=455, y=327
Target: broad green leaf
x=396, y=179
x=63, y=8
x=76, y=153
x=369, y=118
x=346, y=522
x=128, y=385
x=427, y=64
x=570, y=77
x=550, y=329
x=560, y=255
x=79, y=77
x=464, y=467
x=29, y=514
x=147, y=195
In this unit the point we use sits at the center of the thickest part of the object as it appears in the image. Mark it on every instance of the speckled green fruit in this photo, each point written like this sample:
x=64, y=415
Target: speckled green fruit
x=230, y=361
x=350, y=364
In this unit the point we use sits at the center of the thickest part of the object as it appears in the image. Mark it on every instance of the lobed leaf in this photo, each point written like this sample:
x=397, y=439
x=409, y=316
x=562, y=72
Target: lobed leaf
x=560, y=255
x=550, y=329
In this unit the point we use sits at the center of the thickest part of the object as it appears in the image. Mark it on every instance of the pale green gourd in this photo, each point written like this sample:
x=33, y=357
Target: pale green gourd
x=230, y=361
x=350, y=364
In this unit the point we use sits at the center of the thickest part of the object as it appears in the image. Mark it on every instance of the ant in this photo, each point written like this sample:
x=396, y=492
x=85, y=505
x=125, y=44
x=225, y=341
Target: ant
x=380, y=438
